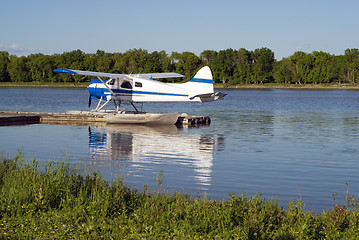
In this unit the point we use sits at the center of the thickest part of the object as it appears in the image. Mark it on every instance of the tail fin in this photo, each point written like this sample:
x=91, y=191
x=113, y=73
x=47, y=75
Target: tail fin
x=202, y=82
x=204, y=75
x=202, y=86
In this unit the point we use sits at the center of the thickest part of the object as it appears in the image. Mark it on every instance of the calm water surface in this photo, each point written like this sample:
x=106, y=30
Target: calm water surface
x=271, y=141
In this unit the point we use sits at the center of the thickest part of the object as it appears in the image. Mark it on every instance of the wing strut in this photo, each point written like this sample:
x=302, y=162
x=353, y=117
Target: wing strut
x=106, y=86
x=108, y=100
x=133, y=105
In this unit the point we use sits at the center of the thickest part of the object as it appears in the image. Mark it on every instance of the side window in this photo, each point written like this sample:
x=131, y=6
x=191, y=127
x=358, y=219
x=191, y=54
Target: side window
x=126, y=84
x=111, y=82
x=138, y=84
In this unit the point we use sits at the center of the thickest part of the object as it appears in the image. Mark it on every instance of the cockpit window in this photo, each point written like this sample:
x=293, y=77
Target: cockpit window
x=111, y=82
x=138, y=84
x=126, y=84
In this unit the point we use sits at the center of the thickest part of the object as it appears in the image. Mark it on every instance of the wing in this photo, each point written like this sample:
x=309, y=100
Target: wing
x=89, y=73
x=158, y=75
x=116, y=75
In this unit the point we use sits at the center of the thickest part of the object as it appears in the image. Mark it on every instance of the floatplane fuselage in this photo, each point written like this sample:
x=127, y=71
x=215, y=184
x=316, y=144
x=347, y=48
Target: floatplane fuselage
x=141, y=88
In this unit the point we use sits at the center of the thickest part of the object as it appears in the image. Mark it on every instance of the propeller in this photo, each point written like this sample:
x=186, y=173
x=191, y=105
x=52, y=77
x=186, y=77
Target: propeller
x=90, y=100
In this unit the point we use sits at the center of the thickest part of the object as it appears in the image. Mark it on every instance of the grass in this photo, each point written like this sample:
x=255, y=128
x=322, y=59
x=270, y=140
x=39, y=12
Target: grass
x=55, y=202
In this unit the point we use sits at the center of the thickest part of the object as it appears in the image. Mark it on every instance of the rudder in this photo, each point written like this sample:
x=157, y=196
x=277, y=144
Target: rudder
x=204, y=75
x=202, y=82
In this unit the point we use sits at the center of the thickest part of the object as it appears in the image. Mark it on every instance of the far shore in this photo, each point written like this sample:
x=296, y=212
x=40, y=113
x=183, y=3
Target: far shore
x=288, y=86
x=221, y=86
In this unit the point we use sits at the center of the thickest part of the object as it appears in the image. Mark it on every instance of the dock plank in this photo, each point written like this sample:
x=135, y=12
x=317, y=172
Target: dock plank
x=82, y=118
x=14, y=118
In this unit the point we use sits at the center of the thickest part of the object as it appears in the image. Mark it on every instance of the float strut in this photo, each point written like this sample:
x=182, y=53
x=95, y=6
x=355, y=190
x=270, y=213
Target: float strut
x=133, y=105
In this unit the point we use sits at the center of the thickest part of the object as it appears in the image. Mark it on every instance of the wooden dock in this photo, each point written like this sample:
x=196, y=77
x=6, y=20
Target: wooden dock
x=10, y=118
x=81, y=118
x=193, y=120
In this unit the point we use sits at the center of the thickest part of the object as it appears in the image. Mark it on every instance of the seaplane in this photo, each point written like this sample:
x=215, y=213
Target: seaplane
x=128, y=89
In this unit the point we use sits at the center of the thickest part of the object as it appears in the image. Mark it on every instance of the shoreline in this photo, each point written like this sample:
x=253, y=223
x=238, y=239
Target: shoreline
x=307, y=86
x=218, y=86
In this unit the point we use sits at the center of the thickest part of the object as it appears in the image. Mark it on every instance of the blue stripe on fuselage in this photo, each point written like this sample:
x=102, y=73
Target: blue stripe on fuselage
x=123, y=91
x=149, y=93
x=162, y=94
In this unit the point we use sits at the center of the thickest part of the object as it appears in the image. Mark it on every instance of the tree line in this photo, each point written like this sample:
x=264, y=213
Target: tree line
x=228, y=66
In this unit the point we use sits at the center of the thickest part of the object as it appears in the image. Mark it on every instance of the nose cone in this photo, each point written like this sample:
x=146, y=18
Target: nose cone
x=94, y=90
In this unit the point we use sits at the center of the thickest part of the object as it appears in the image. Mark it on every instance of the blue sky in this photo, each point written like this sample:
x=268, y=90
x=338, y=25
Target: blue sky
x=284, y=26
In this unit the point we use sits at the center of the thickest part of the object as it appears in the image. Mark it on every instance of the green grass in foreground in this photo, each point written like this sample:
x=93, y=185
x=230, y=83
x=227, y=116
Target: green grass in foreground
x=55, y=202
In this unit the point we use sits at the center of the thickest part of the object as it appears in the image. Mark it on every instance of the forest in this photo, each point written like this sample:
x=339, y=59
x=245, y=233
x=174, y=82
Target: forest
x=229, y=67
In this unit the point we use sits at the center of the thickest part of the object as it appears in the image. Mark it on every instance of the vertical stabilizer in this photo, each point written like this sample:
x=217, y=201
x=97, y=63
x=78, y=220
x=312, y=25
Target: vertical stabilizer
x=204, y=75
x=202, y=82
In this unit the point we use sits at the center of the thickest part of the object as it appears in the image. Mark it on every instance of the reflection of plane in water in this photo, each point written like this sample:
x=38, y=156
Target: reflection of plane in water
x=154, y=144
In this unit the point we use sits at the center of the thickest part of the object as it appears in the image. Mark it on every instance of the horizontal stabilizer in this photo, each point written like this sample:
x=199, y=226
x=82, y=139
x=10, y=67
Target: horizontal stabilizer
x=219, y=95
x=216, y=95
x=206, y=95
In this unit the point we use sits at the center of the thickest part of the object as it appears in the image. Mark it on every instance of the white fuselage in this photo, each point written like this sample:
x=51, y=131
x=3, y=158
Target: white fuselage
x=144, y=90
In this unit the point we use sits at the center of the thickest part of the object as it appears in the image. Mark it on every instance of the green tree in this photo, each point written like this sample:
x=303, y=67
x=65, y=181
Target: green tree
x=104, y=61
x=4, y=62
x=284, y=71
x=304, y=64
x=186, y=63
x=223, y=66
x=119, y=63
x=40, y=67
x=263, y=62
x=153, y=63
x=166, y=62
x=228, y=66
x=90, y=62
x=322, y=69
x=351, y=59
x=339, y=74
x=207, y=57
x=18, y=70
x=243, y=67
x=134, y=60
x=71, y=60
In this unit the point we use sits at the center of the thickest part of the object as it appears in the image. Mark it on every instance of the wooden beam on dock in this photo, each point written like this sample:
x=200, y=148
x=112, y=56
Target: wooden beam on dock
x=193, y=120
x=82, y=118
x=9, y=118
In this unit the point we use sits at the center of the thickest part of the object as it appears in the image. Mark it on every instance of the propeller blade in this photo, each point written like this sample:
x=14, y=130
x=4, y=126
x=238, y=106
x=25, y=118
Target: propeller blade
x=90, y=101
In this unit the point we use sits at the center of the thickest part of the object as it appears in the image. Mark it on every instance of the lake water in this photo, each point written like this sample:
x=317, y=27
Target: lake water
x=271, y=141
